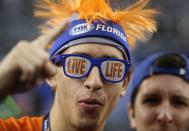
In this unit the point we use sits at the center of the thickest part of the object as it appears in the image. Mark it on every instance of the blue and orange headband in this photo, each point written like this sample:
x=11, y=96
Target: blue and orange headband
x=97, y=22
x=79, y=31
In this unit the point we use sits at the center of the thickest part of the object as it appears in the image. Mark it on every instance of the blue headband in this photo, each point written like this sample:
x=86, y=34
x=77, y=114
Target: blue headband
x=79, y=31
x=146, y=69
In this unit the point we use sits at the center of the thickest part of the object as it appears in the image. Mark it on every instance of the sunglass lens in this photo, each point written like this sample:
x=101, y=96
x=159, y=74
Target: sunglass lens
x=113, y=70
x=76, y=66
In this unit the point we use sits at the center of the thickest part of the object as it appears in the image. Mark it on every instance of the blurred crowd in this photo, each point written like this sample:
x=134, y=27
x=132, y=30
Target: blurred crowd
x=17, y=22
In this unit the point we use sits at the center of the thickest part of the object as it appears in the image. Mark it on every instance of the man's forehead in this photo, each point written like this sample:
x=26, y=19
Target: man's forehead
x=164, y=83
x=95, y=50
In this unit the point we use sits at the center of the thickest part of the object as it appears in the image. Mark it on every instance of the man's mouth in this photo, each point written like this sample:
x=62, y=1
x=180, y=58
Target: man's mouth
x=90, y=105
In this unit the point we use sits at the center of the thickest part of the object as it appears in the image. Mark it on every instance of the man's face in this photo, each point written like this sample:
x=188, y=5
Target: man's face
x=87, y=102
x=162, y=104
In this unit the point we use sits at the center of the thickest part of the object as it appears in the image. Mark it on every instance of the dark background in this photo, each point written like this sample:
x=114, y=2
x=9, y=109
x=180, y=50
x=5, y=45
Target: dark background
x=17, y=23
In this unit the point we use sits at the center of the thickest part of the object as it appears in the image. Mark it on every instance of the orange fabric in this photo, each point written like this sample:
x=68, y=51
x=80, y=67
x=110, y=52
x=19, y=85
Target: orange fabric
x=22, y=124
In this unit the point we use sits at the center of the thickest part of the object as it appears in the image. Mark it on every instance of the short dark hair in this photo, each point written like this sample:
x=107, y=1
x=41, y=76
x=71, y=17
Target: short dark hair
x=170, y=60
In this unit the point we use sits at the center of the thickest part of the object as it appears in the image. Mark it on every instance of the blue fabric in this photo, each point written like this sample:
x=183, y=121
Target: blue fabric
x=80, y=29
x=145, y=69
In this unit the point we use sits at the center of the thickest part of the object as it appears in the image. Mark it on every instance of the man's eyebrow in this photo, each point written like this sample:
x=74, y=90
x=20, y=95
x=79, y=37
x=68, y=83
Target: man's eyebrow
x=180, y=97
x=104, y=56
x=81, y=53
x=109, y=56
x=150, y=94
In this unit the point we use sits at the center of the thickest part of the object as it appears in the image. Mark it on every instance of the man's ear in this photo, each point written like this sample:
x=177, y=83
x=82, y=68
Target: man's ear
x=131, y=115
x=52, y=82
x=125, y=84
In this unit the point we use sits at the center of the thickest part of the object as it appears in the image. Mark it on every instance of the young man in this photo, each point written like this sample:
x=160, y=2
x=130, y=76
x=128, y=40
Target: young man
x=159, y=94
x=92, y=60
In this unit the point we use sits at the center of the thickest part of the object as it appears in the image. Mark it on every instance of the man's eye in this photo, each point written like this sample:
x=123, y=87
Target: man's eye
x=179, y=103
x=151, y=101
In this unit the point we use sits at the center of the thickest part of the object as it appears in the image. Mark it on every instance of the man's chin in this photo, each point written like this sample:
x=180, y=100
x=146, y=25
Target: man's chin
x=165, y=128
x=88, y=124
x=88, y=118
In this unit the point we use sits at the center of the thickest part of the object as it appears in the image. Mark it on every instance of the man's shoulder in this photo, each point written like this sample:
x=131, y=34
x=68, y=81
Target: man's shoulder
x=25, y=123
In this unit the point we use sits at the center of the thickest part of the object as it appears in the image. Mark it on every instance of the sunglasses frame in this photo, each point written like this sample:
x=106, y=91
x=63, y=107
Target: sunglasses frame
x=94, y=62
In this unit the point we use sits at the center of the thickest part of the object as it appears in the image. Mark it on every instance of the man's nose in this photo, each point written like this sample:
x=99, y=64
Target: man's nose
x=165, y=114
x=94, y=81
